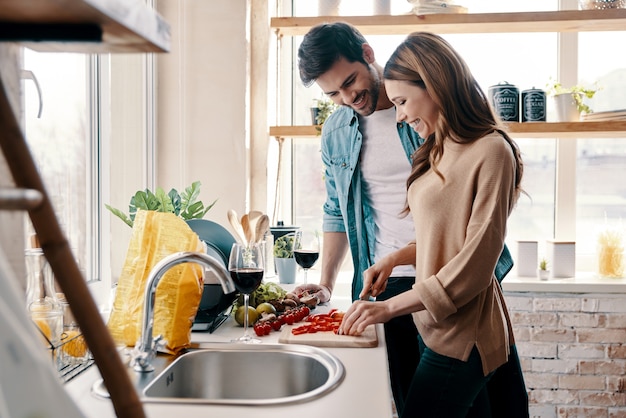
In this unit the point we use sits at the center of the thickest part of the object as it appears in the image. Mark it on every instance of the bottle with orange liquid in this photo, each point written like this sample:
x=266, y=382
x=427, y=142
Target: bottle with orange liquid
x=41, y=300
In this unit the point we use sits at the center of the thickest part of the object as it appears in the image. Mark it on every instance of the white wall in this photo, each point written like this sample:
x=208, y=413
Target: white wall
x=202, y=102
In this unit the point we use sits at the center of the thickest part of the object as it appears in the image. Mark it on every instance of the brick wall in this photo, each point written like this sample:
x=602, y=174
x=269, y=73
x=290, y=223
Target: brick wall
x=573, y=352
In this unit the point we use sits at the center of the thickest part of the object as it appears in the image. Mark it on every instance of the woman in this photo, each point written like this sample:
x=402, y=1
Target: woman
x=464, y=183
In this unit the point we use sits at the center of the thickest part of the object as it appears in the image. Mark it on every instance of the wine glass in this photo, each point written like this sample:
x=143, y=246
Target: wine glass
x=245, y=265
x=306, y=249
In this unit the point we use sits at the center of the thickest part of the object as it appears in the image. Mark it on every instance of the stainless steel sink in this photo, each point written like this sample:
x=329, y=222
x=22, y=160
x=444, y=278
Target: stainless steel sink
x=241, y=374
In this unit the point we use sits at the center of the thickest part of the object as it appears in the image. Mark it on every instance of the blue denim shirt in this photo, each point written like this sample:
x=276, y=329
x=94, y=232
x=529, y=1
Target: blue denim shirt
x=345, y=209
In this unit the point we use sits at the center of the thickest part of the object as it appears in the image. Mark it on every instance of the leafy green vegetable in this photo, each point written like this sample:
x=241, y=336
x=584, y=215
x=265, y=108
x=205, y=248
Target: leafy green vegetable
x=283, y=246
x=182, y=205
x=264, y=293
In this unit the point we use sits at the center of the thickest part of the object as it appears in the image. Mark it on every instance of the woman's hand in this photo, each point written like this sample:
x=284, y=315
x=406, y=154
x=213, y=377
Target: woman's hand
x=361, y=314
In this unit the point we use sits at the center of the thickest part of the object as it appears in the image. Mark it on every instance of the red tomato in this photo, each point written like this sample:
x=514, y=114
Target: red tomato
x=299, y=315
x=258, y=329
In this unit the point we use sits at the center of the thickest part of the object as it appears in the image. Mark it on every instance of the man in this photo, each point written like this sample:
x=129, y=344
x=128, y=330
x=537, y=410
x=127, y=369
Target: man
x=367, y=162
x=367, y=159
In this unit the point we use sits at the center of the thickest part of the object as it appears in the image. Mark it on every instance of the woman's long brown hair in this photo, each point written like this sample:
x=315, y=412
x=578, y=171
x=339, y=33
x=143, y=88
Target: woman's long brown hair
x=465, y=115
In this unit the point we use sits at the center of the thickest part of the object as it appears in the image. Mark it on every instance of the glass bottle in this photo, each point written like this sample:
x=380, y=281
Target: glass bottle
x=41, y=300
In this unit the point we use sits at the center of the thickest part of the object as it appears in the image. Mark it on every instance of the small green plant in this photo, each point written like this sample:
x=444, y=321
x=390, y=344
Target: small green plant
x=578, y=93
x=283, y=246
x=185, y=205
x=543, y=264
x=325, y=108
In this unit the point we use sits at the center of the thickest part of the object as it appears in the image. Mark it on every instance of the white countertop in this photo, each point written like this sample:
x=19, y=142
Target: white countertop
x=364, y=392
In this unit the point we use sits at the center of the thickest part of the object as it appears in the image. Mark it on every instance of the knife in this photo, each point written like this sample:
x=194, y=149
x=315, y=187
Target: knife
x=368, y=296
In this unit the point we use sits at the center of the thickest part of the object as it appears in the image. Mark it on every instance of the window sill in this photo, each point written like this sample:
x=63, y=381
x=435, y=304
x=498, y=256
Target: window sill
x=584, y=282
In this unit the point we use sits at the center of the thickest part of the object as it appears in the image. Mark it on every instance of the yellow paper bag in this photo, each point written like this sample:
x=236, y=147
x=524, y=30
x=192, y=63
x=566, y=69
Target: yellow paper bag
x=155, y=236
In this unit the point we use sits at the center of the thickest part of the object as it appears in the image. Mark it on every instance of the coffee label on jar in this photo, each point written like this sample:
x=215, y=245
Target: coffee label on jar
x=505, y=101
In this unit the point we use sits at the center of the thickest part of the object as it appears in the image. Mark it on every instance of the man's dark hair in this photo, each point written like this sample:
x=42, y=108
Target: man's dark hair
x=324, y=44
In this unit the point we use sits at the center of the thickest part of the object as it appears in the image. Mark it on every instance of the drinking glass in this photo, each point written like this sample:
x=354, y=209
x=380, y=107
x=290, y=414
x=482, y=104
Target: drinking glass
x=306, y=249
x=246, y=269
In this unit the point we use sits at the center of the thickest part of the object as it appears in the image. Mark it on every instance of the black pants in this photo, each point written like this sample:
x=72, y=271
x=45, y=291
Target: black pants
x=402, y=344
x=445, y=387
x=507, y=391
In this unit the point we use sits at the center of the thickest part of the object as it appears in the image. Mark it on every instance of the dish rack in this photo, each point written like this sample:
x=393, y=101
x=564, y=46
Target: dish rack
x=71, y=355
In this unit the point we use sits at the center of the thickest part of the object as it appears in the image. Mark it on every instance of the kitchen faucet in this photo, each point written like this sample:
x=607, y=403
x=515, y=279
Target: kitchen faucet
x=146, y=348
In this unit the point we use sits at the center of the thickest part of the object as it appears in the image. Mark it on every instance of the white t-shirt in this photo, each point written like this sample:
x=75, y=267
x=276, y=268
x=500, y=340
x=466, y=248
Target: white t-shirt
x=385, y=168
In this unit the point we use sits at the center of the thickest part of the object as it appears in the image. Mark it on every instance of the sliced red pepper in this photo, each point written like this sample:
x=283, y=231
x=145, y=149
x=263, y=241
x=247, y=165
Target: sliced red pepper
x=300, y=330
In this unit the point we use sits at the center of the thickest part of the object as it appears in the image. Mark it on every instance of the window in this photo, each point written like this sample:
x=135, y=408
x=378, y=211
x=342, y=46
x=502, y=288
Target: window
x=573, y=184
x=600, y=162
x=93, y=145
x=60, y=132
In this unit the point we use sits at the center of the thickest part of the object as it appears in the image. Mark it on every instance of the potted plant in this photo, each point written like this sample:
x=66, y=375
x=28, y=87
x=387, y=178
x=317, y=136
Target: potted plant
x=543, y=272
x=283, y=258
x=569, y=102
x=321, y=111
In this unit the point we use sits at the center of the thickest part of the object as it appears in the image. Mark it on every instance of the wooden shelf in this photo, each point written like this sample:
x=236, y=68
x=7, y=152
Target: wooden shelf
x=87, y=26
x=556, y=21
x=609, y=129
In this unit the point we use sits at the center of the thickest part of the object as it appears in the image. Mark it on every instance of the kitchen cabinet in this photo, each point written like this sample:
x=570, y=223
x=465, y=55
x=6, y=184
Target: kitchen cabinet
x=556, y=21
x=88, y=26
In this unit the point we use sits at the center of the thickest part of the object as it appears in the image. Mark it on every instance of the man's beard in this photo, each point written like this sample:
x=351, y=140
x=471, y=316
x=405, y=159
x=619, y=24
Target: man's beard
x=374, y=92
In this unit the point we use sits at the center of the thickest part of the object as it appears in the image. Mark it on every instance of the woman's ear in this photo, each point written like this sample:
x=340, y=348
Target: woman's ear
x=368, y=54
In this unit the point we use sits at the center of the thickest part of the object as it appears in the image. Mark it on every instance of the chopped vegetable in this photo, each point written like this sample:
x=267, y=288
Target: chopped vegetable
x=328, y=322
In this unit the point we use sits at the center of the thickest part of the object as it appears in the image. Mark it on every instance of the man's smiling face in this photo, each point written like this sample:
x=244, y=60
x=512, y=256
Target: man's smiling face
x=352, y=84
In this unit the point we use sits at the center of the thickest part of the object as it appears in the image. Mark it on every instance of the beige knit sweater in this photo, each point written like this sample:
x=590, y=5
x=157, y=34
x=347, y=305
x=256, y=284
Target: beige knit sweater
x=460, y=230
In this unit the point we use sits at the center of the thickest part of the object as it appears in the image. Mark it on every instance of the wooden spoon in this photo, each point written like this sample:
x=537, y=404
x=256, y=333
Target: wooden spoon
x=245, y=224
x=262, y=225
x=234, y=222
x=253, y=219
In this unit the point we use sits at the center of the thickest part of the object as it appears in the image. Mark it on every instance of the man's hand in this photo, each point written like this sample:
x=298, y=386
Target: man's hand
x=322, y=292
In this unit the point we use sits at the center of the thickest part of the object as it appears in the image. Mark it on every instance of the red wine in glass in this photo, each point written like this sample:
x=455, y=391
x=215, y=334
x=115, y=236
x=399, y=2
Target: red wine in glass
x=247, y=279
x=245, y=265
x=306, y=249
x=306, y=258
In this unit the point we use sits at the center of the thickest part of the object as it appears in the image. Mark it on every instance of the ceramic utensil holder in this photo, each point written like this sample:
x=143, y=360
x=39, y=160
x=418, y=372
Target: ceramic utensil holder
x=527, y=258
x=562, y=255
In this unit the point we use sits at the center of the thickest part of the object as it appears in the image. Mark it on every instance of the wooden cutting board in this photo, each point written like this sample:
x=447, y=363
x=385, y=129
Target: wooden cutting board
x=329, y=339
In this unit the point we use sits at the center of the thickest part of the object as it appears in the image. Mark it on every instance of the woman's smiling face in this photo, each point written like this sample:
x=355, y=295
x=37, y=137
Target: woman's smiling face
x=413, y=106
